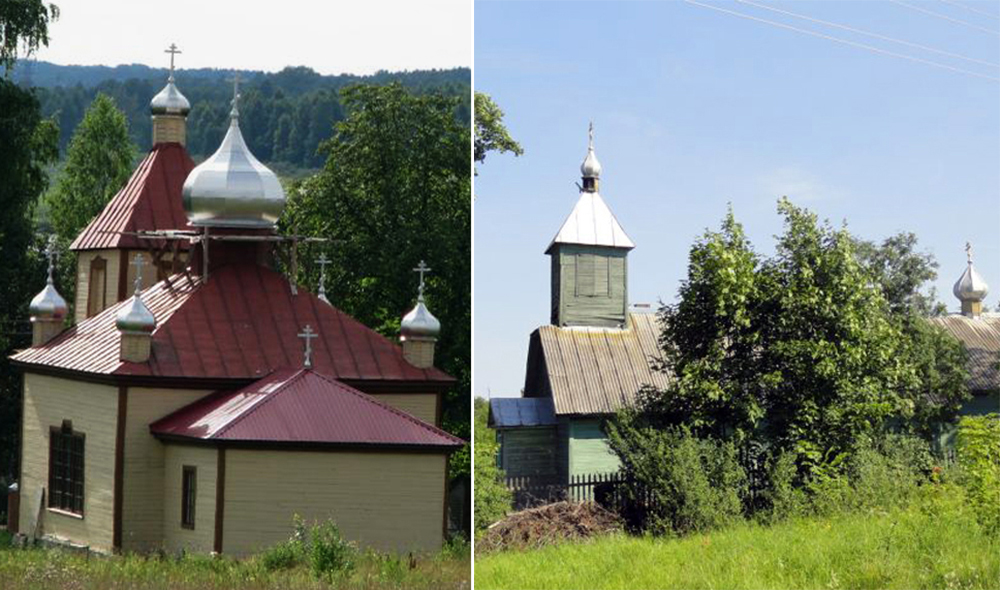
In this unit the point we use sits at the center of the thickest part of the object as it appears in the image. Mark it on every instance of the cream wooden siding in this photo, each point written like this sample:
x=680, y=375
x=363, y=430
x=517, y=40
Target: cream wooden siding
x=202, y=537
x=420, y=405
x=389, y=501
x=83, y=260
x=93, y=409
x=142, y=502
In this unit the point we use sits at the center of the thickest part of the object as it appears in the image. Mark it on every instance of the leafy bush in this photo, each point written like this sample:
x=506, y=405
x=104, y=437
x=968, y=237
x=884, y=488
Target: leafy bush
x=329, y=552
x=693, y=484
x=979, y=458
x=492, y=498
x=283, y=556
x=783, y=496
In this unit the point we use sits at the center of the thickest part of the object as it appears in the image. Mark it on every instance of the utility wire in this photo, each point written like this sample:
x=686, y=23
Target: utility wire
x=947, y=18
x=967, y=7
x=845, y=41
x=875, y=35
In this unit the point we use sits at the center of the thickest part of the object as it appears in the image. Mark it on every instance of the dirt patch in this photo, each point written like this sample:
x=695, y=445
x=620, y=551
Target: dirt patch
x=546, y=525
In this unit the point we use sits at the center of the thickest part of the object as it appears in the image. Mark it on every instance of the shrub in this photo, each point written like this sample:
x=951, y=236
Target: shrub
x=783, y=498
x=329, y=552
x=492, y=498
x=283, y=556
x=694, y=484
x=979, y=458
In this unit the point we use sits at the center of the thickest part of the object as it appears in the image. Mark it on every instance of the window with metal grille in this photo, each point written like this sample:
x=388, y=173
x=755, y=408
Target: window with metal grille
x=66, y=468
x=189, y=492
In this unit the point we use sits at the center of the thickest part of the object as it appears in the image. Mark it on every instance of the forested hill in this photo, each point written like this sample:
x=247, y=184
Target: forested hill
x=284, y=115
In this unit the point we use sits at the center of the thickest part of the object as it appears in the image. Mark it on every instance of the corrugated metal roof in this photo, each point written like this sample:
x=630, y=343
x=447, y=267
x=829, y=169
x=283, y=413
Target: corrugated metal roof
x=981, y=337
x=592, y=223
x=241, y=324
x=598, y=370
x=507, y=412
x=301, y=406
x=150, y=200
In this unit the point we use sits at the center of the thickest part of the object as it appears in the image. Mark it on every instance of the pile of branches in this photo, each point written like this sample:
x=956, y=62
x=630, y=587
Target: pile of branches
x=546, y=525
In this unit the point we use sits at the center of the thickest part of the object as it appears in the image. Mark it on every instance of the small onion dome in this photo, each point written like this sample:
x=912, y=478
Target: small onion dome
x=591, y=168
x=232, y=188
x=48, y=304
x=170, y=101
x=135, y=318
x=971, y=286
x=419, y=324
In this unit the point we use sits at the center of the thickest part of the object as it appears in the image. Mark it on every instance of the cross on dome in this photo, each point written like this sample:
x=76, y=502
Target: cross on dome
x=307, y=335
x=421, y=268
x=172, y=50
x=138, y=262
x=322, y=261
x=50, y=254
x=968, y=251
x=236, y=93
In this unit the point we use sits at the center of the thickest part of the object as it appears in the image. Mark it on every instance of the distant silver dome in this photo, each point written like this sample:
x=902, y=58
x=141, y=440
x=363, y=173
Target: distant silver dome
x=232, y=188
x=48, y=304
x=591, y=167
x=419, y=323
x=170, y=101
x=135, y=318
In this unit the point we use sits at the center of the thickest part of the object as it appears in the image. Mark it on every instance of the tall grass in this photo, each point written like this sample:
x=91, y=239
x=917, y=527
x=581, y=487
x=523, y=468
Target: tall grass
x=934, y=542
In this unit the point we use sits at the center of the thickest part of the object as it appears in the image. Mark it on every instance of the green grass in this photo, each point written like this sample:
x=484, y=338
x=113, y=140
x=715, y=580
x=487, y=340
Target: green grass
x=935, y=543
x=48, y=568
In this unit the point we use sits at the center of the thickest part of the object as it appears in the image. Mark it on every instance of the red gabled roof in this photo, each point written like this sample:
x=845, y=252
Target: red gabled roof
x=150, y=200
x=300, y=406
x=241, y=324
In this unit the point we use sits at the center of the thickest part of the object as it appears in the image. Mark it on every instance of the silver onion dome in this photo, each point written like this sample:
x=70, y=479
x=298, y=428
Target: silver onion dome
x=591, y=167
x=419, y=323
x=232, y=188
x=970, y=286
x=135, y=318
x=48, y=304
x=170, y=101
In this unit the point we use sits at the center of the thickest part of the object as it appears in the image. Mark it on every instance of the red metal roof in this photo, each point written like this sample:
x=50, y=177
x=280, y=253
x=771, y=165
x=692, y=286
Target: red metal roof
x=241, y=324
x=300, y=406
x=150, y=200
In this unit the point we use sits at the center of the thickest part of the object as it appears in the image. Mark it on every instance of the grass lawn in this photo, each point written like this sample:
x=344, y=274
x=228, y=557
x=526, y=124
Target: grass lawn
x=936, y=543
x=46, y=568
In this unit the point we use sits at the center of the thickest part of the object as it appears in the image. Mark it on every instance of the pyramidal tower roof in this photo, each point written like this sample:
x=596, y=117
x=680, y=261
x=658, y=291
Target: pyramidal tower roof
x=591, y=223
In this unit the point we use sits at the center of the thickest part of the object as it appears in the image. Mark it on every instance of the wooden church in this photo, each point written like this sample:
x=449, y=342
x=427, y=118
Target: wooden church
x=201, y=399
x=597, y=353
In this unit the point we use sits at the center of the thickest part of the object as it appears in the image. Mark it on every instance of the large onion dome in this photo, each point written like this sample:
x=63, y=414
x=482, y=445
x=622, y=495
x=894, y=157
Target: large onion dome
x=135, y=318
x=419, y=323
x=591, y=167
x=232, y=188
x=170, y=101
x=48, y=304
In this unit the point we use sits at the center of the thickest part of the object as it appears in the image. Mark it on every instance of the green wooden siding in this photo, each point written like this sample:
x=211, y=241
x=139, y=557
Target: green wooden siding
x=588, y=448
x=528, y=451
x=589, y=286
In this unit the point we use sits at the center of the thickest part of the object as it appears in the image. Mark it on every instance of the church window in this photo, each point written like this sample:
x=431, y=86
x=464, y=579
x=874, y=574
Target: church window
x=189, y=491
x=66, y=468
x=98, y=286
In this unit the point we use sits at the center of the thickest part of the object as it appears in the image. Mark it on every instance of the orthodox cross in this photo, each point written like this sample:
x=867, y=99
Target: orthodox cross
x=236, y=91
x=968, y=251
x=322, y=261
x=50, y=253
x=172, y=50
x=138, y=262
x=307, y=335
x=590, y=134
x=421, y=268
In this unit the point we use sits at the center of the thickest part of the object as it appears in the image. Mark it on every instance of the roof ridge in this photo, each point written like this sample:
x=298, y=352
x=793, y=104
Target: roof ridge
x=386, y=406
x=267, y=398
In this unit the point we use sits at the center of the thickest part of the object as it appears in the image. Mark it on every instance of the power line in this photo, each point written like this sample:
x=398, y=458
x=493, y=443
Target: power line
x=875, y=35
x=967, y=7
x=845, y=41
x=945, y=17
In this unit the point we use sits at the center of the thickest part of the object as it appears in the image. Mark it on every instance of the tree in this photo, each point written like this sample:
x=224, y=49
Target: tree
x=491, y=135
x=902, y=272
x=801, y=350
x=395, y=190
x=493, y=499
x=98, y=164
x=28, y=144
x=24, y=27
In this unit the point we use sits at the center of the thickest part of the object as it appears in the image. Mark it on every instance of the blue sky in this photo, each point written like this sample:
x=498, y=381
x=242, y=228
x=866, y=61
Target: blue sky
x=694, y=109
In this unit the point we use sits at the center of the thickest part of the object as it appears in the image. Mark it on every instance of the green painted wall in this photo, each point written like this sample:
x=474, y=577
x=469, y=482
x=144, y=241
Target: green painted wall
x=528, y=451
x=589, y=286
x=588, y=448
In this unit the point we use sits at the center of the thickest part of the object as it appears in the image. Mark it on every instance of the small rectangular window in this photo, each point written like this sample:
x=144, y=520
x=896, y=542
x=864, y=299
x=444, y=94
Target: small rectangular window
x=66, y=468
x=189, y=493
